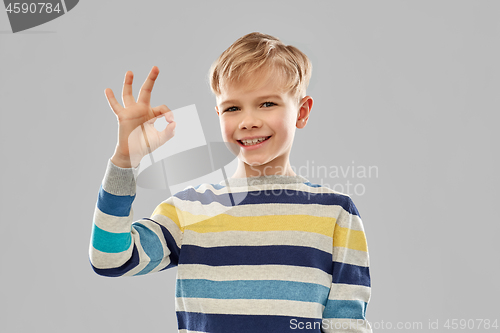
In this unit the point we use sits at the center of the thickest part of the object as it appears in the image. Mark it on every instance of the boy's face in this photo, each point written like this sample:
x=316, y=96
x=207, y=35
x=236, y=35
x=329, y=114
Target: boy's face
x=261, y=112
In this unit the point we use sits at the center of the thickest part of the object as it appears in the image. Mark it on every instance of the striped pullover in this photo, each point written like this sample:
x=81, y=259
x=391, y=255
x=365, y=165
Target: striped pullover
x=260, y=254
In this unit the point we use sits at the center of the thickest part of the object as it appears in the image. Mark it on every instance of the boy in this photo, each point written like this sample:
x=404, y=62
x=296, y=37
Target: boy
x=264, y=261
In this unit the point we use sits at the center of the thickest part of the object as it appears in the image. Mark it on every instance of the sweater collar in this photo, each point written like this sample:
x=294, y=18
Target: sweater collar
x=263, y=180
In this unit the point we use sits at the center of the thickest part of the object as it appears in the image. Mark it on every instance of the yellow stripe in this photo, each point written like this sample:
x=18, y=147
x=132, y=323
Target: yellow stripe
x=342, y=237
x=348, y=238
x=224, y=222
x=169, y=211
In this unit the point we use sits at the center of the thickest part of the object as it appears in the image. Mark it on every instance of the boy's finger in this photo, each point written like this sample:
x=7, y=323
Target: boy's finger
x=127, y=97
x=163, y=110
x=113, y=103
x=159, y=112
x=168, y=133
x=147, y=87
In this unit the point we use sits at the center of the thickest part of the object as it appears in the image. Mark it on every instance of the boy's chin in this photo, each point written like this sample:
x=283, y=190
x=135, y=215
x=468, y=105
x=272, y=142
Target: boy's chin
x=259, y=168
x=253, y=162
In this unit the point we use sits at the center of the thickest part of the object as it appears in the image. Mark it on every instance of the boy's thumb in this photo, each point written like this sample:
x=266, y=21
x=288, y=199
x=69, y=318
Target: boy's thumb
x=168, y=133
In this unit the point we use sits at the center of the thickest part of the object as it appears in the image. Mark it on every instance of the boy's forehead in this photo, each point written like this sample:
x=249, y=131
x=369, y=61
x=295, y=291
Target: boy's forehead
x=259, y=84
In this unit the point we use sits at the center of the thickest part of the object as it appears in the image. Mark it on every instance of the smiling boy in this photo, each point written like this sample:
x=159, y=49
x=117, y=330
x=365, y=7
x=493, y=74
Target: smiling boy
x=261, y=110
x=263, y=251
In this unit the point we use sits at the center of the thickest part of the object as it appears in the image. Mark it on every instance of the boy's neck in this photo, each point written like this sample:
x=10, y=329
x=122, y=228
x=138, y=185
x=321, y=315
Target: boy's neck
x=245, y=171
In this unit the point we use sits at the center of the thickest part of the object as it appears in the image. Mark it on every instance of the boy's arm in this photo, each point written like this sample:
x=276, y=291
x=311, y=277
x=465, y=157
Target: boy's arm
x=350, y=291
x=121, y=247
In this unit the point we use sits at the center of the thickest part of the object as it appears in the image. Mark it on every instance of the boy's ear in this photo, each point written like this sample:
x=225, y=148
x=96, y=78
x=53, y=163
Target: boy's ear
x=305, y=107
x=217, y=109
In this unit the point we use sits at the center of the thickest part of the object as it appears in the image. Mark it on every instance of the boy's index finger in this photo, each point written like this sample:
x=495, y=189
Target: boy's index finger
x=127, y=97
x=113, y=103
x=147, y=87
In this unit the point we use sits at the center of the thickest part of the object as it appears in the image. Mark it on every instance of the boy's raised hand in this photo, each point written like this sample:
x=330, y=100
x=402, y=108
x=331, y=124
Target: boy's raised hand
x=137, y=135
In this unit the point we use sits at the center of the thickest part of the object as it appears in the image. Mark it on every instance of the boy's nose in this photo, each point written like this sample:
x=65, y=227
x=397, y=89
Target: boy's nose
x=250, y=121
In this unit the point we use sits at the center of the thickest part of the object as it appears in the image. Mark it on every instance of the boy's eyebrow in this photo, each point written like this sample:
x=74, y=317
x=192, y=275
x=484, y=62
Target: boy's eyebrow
x=260, y=97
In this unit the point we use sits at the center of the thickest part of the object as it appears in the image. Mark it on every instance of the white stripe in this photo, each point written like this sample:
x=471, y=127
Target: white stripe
x=215, y=208
x=350, y=256
x=259, y=238
x=349, y=292
x=350, y=221
x=299, y=187
x=250, y=307
x=197, y=208
x=255, y=272
x=103, y=260
x=112, y=223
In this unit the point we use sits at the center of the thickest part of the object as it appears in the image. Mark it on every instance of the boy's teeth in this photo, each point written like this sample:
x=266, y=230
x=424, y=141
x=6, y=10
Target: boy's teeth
x=252, y=142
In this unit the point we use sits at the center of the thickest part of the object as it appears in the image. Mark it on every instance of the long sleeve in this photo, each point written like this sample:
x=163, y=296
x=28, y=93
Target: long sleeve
x=121, y=247
x=351, y=288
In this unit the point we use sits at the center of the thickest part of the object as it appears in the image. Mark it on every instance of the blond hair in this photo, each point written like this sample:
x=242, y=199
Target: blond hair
x=257, y=51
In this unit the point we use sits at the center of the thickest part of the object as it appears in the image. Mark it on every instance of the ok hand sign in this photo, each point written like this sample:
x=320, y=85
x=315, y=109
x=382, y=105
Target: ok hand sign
x=137, y=135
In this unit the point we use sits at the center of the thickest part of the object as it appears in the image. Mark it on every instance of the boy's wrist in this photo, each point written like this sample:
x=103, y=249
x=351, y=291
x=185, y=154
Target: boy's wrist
x=122, y=161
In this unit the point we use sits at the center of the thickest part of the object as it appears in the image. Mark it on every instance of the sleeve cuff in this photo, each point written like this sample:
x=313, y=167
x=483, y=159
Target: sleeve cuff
x=120, y=181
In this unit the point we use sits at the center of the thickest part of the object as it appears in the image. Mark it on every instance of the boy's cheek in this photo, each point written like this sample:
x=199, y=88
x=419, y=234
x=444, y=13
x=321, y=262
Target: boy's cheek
x=226, y=136
x=227, y=132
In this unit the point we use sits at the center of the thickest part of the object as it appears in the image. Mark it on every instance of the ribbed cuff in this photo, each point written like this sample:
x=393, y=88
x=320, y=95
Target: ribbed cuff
x=120, y=181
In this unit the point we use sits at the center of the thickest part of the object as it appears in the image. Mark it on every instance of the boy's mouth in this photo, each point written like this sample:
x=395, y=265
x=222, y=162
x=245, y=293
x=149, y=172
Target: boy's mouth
x=254, y=141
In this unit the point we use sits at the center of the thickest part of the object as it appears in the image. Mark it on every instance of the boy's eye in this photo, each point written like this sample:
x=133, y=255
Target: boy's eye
x=232, y=108
x=271, y=103
x=235, y=108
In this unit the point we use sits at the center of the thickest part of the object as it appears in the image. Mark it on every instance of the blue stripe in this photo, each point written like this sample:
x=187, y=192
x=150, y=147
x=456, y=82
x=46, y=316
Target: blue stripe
x=119, y=271
x=257, y=255
x=110, y=242
x=116, y=205
x=171, y=244
x=312, y=185
x=352, y=208
x=225, y=323
x=151, y=245
x=350, y=274
x=349, y=309
x=277, y=196
x=253, y=289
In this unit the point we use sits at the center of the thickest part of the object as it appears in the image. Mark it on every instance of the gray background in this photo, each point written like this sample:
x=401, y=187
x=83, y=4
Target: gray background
x=411, y=87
